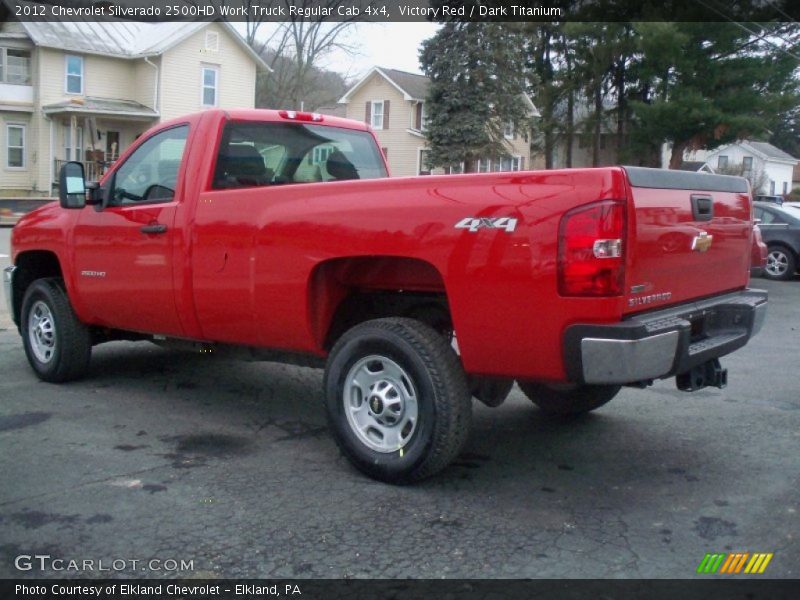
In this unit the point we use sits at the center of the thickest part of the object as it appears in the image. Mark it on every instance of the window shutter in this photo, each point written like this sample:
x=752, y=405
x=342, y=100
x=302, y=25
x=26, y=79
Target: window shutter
x=418, y=117
x=368, y=113
x=386, y=114
x=385, y=152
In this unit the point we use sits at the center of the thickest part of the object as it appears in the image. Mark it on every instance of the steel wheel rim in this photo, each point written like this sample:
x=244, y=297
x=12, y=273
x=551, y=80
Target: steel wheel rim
x=42, y=332
x=380, y=403
x=777, y=263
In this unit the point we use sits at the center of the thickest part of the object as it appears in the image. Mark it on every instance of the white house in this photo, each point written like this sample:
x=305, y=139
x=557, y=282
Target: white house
x=85, y=90
x=751, y=159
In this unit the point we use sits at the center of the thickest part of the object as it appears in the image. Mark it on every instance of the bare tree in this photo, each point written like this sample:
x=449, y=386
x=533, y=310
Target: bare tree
x=756, y=176
x=294, y=48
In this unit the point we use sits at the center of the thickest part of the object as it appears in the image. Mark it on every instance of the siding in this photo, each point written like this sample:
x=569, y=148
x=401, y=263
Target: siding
x=181, y=74
x=145, y=77
x=103, y=77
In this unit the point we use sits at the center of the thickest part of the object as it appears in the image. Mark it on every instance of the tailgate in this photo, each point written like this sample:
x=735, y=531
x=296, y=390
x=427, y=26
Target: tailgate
x=690, y=237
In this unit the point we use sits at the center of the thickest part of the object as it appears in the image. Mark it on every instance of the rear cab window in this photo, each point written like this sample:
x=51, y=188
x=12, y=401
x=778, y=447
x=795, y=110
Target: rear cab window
x=253, y=154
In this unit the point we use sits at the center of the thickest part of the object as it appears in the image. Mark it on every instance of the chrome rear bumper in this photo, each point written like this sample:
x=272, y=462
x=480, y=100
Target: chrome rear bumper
x=663, y=343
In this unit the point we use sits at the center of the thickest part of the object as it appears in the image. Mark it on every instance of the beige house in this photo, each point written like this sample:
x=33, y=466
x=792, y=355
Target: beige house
x=84, y=91
x=393, y=103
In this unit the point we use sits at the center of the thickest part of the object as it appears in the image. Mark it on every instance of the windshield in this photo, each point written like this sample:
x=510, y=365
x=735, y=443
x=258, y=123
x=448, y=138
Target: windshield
x=258, y=154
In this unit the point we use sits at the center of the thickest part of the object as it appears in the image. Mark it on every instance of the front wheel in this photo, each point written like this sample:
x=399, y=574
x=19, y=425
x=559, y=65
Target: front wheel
x=397, y=400
x=57, y=344
x=568, y=400
x=781, y=264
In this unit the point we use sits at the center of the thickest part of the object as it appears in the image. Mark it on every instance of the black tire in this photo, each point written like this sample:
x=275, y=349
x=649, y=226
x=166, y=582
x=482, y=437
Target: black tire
x=415, y=362
x=781, y=263
x=491, y=391
x=568, y=400
x=64, y=346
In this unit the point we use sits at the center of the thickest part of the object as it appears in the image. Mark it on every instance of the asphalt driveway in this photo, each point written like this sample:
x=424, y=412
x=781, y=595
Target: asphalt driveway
x=214, y=468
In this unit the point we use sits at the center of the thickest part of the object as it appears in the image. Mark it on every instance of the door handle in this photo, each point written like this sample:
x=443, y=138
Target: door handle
x=154, y=228
x=702, y=207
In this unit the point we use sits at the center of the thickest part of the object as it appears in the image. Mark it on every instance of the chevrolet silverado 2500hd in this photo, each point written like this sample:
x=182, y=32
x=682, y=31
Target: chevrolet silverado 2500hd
x=277, y=235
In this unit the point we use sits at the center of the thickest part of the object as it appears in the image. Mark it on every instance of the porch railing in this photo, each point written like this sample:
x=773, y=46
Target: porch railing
x=94, y=169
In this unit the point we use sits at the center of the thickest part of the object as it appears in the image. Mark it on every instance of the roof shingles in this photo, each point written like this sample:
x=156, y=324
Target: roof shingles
x=770, y=151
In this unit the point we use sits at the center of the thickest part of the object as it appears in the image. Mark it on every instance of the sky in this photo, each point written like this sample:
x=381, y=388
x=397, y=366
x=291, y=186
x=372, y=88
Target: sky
x=390, y=45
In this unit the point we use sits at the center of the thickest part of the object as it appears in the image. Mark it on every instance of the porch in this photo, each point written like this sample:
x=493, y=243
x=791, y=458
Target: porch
x=94, y=132
x=94, y=169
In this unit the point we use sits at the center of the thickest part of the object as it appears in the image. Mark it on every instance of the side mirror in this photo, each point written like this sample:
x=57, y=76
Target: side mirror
x=72, y=185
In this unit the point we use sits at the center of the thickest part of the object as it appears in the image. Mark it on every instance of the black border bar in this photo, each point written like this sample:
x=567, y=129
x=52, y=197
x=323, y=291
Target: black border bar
x=386, y=11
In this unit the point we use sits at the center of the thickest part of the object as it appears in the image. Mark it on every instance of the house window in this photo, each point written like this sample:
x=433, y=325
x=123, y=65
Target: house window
x=722, y=162
x=420, y=117
x=15, y=66
x=508, y=163
x=508, y=130
x=74, y=74
x=15, y=146
x=321, y=154
x=771, y=187
x=747, y=166
x=377, y=114
x=785, y=187
x=210, y=85
x=422, y=166
x=212, y=41
x=73, y=150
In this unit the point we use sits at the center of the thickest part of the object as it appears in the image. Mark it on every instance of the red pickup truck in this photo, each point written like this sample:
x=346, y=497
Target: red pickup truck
x=276, y=235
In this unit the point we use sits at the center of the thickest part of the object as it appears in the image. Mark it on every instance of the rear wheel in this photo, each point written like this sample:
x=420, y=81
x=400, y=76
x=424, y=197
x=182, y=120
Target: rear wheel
x=57, y=344
x=781, y=264
x=569, y=399
x=397, y=400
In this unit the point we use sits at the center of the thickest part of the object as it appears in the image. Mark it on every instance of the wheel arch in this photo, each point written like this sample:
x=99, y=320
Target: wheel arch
x=795, y=252
x=346, y=291
x=31, y=265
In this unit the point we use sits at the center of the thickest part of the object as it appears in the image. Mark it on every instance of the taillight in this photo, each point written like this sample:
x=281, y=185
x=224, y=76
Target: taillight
x=591, y=242
x=300, y=116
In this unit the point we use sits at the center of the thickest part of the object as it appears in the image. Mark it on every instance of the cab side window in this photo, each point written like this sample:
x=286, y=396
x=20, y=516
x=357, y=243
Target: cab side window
x=255, y=154
x=150, y=174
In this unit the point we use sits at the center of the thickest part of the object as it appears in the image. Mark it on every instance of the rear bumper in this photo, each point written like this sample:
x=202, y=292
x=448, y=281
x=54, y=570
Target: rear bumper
x=663, y=343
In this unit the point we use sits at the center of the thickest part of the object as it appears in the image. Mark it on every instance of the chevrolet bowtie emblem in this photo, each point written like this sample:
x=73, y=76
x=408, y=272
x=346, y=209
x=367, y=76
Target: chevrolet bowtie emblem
x=702, y=241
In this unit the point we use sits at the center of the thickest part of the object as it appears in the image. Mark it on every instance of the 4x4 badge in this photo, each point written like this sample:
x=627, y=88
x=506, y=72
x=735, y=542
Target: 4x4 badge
x=473, y=224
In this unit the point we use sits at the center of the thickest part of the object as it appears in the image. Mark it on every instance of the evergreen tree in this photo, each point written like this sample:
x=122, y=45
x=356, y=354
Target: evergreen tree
x=477, y=77
x=711, y=83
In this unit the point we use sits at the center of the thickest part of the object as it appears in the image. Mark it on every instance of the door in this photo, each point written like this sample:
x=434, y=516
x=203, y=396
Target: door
x=123, y=254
